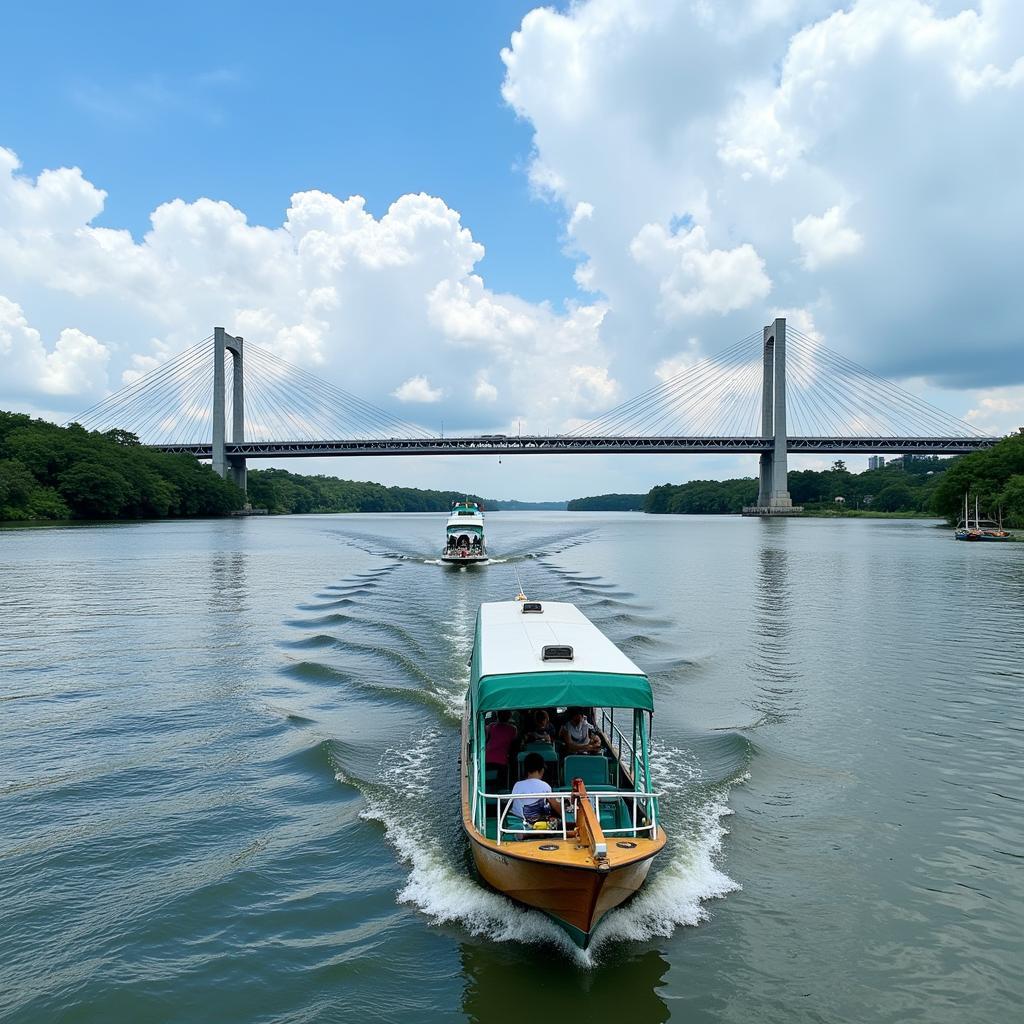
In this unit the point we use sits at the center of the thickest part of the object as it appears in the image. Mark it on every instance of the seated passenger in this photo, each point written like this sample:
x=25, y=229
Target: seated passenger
x=578, y=736
x=543, y=731
x=538, y=809
x=501, y=734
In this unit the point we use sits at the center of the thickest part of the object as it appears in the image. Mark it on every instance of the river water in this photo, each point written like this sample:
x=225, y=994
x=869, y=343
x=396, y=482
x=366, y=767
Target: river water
x=229, y=791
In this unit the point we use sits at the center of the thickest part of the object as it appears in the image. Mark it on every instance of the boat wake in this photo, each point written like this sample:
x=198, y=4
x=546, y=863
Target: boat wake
x=440, y=884
x=396, y=665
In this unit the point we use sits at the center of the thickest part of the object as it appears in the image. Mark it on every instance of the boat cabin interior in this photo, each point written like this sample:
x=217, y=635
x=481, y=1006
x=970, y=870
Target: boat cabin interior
x=605, y=748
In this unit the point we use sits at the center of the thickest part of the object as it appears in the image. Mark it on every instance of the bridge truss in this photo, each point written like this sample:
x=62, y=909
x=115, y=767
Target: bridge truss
x=777, y=392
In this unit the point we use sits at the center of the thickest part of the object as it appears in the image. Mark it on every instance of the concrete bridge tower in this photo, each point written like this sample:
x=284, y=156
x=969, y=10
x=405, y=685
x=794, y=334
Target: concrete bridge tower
x=222, y=463
x=773, y=489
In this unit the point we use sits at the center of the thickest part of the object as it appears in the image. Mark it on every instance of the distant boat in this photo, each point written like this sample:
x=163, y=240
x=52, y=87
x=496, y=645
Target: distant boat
x=978, y=529
x=464, y=535
x=583, y=848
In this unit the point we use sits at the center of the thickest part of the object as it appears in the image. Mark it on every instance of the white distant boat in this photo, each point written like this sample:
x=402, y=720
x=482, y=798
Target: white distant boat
x=464, y=534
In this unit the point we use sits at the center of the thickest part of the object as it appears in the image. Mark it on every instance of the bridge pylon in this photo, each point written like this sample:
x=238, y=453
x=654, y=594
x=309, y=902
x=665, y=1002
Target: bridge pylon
x=773, y=497
x=223, y=464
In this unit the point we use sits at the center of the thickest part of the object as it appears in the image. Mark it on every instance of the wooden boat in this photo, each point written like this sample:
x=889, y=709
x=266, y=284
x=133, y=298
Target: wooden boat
x=978, y=529
x=530, y=655
x=464, y=534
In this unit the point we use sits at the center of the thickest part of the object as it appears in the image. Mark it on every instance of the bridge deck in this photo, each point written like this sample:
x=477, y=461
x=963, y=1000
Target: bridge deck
x=561, y=444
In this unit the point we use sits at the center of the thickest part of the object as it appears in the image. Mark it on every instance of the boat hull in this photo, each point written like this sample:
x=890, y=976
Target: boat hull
x=462, y=559
x=577, y=897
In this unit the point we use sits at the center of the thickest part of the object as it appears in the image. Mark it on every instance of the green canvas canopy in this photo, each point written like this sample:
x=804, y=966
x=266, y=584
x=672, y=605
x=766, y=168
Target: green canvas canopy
x=561, y=689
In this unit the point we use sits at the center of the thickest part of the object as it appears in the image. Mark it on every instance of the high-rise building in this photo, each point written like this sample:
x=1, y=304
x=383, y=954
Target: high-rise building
x=876, y=461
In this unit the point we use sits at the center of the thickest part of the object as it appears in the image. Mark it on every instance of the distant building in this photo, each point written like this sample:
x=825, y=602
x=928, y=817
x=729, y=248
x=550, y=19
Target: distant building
x=840, y=501
x=876, y=461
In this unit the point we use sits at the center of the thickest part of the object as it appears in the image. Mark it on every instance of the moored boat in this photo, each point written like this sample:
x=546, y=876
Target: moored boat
x=592, y=846
x=978, y=529
x=464, y=534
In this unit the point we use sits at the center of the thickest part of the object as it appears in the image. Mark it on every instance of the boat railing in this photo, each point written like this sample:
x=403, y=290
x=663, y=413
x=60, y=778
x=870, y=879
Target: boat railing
x=616, y=739
x=642, y=805
x=649, y=823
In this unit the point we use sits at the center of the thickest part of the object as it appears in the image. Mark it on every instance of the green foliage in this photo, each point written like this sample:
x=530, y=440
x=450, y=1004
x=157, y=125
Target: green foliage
x=51, y=472
x=994, y=476
x=709, y=497
x=905, y=485
x=608, y=503
x=281, y=491
x=895, y=497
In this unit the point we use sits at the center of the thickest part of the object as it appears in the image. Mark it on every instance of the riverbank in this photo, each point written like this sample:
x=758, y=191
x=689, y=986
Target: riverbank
x=863, y=513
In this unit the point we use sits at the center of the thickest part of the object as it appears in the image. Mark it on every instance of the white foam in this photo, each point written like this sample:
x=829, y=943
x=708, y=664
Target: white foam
x=684, y=877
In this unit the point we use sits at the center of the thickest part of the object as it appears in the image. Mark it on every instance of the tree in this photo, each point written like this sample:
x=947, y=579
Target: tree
x=94, y=491
x=897, y=497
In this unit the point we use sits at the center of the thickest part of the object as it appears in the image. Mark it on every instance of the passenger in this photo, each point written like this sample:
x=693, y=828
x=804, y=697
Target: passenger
x=543, y=731
x=500, y=737
x=534, y=810
x=578, y=736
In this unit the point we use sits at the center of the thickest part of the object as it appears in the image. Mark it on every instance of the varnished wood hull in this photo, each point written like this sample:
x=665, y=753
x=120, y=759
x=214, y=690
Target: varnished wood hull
x=577, y=897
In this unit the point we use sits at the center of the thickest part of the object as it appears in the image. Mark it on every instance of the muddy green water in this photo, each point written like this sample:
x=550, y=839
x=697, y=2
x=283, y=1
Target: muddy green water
x=228, y=782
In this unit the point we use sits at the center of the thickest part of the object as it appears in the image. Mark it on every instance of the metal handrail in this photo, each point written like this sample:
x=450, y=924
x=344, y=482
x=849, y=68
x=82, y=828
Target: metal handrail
x=652, y=822
x=613, y=732
x=508, y=798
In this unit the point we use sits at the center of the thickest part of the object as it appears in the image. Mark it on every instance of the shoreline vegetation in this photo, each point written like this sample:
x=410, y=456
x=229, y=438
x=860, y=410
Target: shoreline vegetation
x=908, y=487
x=53, y=473
x=50, y=473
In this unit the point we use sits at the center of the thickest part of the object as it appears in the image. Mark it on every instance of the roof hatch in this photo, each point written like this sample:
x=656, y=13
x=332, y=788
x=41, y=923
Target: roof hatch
x=556, y=652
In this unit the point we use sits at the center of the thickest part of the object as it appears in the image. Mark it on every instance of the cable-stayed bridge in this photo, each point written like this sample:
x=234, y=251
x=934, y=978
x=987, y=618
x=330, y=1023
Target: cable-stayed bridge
x=774, y=392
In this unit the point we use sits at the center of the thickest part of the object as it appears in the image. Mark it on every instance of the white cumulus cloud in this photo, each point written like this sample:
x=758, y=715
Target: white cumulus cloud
x=76, y=365
x=418, y=389
x=826, y=238
x=695, y=279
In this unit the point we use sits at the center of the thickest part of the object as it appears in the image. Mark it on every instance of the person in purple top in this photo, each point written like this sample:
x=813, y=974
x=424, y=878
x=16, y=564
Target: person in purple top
x=501, y=734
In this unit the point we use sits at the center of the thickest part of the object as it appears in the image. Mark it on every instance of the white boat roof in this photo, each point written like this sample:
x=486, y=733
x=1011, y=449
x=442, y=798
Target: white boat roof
x=511, y=641
x=474, y=520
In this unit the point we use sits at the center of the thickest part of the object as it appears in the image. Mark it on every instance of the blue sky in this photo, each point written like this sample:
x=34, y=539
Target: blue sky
x=563, y=205
x=250, y=102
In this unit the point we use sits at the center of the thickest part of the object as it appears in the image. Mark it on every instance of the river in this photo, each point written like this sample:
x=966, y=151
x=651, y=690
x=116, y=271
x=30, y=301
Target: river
x=229, y=791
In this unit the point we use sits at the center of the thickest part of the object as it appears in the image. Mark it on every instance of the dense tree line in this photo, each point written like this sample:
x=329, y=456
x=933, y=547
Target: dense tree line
x=281, y=491
x=709, y=497
x=51, y=472
x=926, y=485
x=996, y=476
x=902, y=486
x=608, y=503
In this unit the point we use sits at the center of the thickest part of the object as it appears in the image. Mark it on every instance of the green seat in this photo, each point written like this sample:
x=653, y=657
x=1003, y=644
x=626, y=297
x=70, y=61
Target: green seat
x=550, y=762
x=591, y=768
x=547, y=749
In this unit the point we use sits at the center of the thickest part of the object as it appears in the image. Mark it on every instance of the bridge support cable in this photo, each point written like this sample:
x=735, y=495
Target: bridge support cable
x=301, y=406
x=152, y=403
x=891, y=410
x=679, y=403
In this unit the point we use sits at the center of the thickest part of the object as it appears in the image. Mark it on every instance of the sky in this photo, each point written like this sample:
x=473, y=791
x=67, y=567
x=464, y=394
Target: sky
x=508, y=218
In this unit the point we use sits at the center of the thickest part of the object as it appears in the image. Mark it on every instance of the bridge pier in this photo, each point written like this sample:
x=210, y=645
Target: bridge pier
x=773, y=497
x=223, y=464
